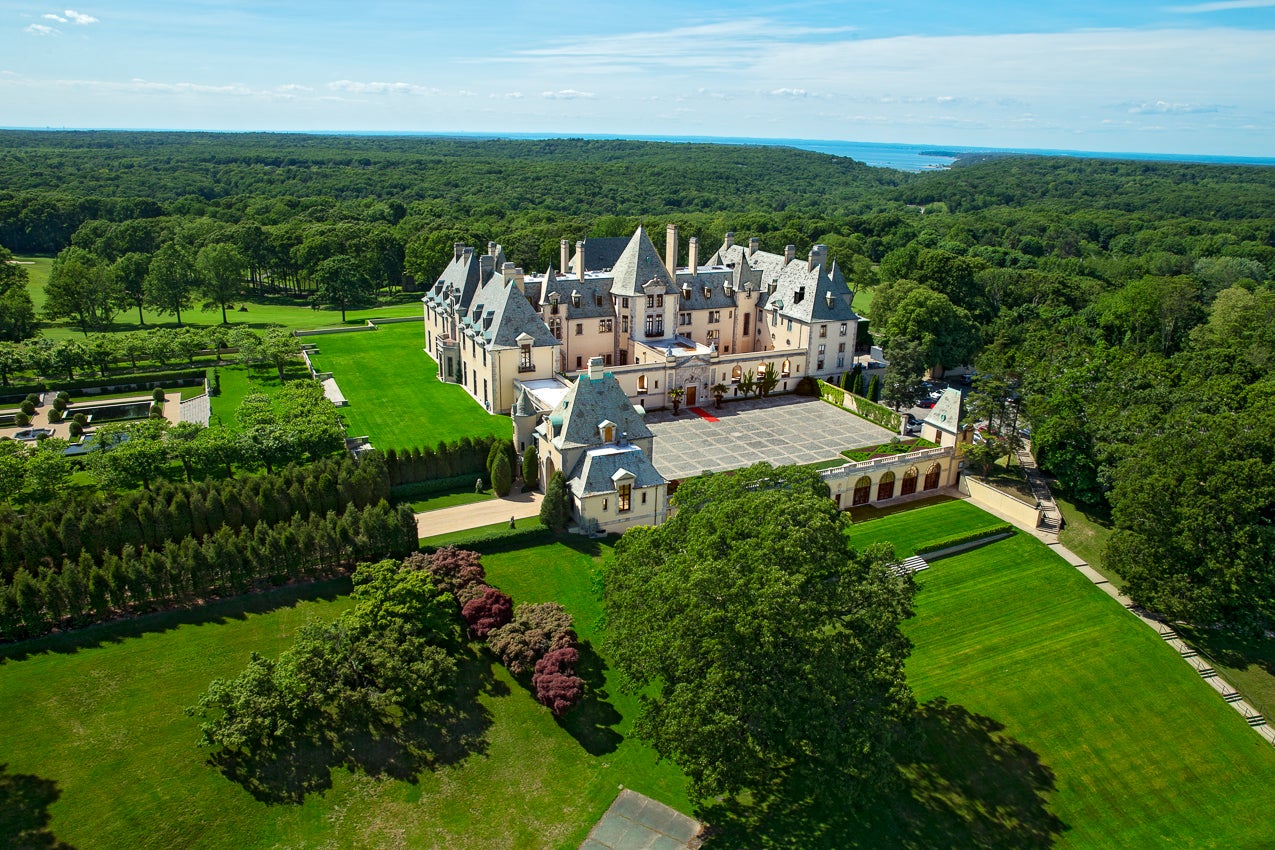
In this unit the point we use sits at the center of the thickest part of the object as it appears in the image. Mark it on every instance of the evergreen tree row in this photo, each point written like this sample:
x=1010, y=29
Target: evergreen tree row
x=467, y=456
x=171, y=512
x=226, y=563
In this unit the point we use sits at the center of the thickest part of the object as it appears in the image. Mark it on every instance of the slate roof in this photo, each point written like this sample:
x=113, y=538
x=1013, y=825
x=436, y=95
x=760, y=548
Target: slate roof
x=588, y=403
x=597, y=470
x=636, y=265
x=946, y=413
x=500, y=313
x=805, y=292
x=600, y=253
x=595, y=296
x=463, y=276
x=523, y=405
x=694, y=298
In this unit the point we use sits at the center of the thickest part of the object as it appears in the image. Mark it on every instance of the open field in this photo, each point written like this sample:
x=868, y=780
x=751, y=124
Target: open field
x=263, y=311
x=394, y=392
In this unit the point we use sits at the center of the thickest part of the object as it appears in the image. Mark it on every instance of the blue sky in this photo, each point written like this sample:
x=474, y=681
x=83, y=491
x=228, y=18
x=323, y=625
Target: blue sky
x=1171, y=77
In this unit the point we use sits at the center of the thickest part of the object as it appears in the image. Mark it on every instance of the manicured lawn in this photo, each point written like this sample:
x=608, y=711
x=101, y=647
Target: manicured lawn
x=105, y=712
x=913, y=527
x=1085, y=532
x=263, y=311
x=1108, y=739
x=240, y=381
x=394, y=393
x=450, y=500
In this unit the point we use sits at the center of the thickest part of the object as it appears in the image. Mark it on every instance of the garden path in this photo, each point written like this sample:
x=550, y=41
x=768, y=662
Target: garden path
x=490, y=512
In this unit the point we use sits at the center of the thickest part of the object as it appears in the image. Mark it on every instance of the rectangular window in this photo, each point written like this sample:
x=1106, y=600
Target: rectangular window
x=819, y=367
x=597, y=299
x=747, y=316
x=714, y=316
x=624, y=498
x=650, y=302
x=484, y=356
x=524, y=359
x=823, y=331
x=822, y=348
x=605, y=325
x=579, y=362
x=683, y=318
x=841, y=361
x=713, y=336
x=579, y=328
x=655, y=326
x=659, y=301
x=843, y=328
x=790, y=326
x=841, y=349
x=606, y=359
x=644, y=497
x=624, y=302
x=624, y=324
x=555, y=328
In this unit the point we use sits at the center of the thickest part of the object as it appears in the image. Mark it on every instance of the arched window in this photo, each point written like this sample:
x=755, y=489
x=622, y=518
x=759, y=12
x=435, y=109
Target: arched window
x=932, y=476
x=787, y=369
x=862, y=491
x=737, y=373
x=885, y=487
x=909, y=482
x=641, y=383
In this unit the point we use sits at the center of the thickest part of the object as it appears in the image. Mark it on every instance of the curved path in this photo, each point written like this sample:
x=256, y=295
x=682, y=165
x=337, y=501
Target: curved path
x=490, y=512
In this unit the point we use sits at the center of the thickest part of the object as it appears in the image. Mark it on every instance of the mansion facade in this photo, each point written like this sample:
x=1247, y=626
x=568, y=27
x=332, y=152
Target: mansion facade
x=656, y=325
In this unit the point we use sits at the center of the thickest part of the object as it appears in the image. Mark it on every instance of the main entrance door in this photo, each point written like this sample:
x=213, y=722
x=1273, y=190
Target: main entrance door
x=690, y=394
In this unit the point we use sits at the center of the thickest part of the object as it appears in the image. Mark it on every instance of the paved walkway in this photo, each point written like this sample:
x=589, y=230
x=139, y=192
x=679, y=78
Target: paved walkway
x=490, y=512
x=782, y=430
x=1049, y=536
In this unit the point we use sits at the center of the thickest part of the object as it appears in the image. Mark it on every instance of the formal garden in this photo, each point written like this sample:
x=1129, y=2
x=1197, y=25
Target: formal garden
x=1049, y=717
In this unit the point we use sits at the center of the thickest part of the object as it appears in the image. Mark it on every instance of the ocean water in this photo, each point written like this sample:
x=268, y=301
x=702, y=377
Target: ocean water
x=903, y=157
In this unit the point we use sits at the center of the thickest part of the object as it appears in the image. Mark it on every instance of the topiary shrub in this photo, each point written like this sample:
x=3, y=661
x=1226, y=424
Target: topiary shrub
x=21, y=419
x=76, y=428
x=158, y=394
x=32, y=398
x=27, y=407
x=55, y=416
x=59, y=404
x=502, y=476
x=64, y=396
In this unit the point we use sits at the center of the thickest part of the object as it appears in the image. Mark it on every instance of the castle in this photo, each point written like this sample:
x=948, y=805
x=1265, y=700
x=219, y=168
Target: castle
x=578, y=357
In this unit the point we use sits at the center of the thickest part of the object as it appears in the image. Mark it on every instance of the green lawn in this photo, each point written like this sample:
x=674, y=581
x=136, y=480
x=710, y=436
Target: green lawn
x=394, y=393
x=263, y=311
x=103, y=710
x=1141, y=751
x=239, y=381
x=449, y=500
x=1085, y=532
x=912, y=527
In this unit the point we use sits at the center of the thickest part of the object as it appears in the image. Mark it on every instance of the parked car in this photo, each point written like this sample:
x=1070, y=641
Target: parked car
x=927, y=403
x=913, y=427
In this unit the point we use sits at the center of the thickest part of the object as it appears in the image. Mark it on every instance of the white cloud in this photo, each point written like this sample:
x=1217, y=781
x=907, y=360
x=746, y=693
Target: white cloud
x=381, y=88
x=1164, y=107
x=41, y=29
x=567, y=94
x=1221, y=6
x=798, y=93
x=188, y=88
x=53, y=17
x=80, y=19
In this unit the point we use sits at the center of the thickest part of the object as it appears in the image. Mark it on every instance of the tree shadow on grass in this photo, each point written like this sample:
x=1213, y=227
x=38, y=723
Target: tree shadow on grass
x=215, y=611
x=24, y=812
x=1239, y=652
x=965, y=785
x=304, y=766
x=593, y=721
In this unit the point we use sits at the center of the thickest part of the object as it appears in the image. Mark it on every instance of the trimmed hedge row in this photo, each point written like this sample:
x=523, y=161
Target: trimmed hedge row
x=115, y=383
x=969, y=537
x=861, y=407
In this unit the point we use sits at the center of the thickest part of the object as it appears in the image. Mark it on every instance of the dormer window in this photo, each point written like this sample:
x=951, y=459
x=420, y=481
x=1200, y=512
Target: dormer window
x=708, y=292
x=575, y=298
x=607, y=431
x=553, y=304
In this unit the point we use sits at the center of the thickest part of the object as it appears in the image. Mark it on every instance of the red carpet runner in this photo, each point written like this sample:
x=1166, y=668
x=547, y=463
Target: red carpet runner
x=703, y=414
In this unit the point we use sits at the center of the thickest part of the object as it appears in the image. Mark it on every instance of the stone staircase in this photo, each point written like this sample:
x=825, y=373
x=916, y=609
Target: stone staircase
x=1051, y=517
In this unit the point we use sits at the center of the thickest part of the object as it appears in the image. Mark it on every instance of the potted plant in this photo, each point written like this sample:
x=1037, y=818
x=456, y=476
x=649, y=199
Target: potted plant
x=675, y=396
x=719, y=392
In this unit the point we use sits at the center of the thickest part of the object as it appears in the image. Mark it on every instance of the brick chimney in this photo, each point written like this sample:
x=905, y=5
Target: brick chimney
x=564, y=255
x=693, y=259
x=580, y=260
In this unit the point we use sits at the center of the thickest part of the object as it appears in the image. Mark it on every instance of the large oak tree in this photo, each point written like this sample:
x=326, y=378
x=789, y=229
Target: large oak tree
x=767, y=650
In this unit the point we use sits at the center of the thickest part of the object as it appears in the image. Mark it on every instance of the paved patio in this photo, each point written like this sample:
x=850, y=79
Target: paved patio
x=782, y=430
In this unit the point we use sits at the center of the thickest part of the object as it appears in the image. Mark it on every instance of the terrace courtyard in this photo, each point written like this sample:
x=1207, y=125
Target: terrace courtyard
x=780, y=430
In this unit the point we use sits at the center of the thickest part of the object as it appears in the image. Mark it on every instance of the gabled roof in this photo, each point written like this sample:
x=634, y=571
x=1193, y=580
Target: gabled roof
x=499, y=312
x=636, y=265
x=591, y=401
x=464, y=275
x=690, y=290
x=804, y=292
x=602, y=470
